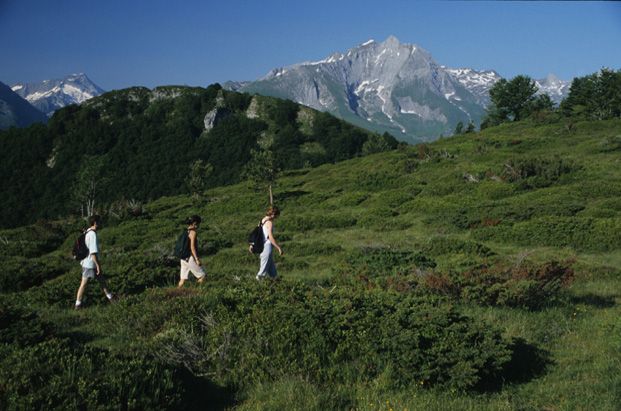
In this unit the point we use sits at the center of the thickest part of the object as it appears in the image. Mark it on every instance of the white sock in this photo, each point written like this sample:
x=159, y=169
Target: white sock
x=109, y=295
x=78, y=302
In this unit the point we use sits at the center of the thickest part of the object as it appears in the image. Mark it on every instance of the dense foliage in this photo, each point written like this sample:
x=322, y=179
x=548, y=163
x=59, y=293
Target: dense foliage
x=140, y=144
x=596, y=96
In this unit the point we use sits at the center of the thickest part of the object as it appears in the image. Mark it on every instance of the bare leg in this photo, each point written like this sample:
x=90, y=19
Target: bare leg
x=81, y=289
x=103, y=284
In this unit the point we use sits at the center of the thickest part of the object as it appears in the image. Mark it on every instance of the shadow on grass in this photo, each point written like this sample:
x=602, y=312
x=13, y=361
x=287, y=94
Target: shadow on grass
x=280, y=197
x=203, y=394
x=527, y=363
x=595, y=300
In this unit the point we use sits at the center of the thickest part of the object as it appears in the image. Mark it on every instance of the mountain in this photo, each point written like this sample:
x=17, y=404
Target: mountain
x=477, y=82
x=389, y=86
x=50, y=95
x=15, y=111
x=554, y=87
x=235, y=85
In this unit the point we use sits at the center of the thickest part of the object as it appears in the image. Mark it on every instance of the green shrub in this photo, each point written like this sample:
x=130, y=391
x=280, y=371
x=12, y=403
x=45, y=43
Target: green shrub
x=580, y=233
x=527, y=286
x=50, y=375
x=450, y=245
x=379, y=262
x=20, y=273
x=376, y=217
x=20, y=325
x=307, y=222
x=537, y=172
x=312, y=248
x=34, y=240
x=249, y=334
x=348, y=199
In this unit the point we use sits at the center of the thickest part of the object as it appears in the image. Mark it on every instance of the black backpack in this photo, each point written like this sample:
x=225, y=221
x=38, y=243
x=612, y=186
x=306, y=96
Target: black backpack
x=182, y=246
x=256, y=239
x=80, y=250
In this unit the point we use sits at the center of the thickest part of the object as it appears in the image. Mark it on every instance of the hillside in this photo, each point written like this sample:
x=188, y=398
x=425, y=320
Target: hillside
x=15, y=111
x=476, y=272
x=139, y=144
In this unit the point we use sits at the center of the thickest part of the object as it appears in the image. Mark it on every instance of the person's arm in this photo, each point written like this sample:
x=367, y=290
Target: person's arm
x=93, y=249
x=192, y=236
x=270, y=236
x=96, y=261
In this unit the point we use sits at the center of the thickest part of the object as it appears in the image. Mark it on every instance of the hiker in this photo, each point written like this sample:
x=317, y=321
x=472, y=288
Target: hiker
x=186, y=251
x=268, y=268
x=91, y=264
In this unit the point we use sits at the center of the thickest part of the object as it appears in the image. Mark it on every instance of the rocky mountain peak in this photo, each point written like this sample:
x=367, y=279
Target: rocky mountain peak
x=50, y=95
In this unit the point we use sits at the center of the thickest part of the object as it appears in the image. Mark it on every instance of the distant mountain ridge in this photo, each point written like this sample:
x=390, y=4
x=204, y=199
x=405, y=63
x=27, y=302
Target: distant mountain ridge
x=51, y=95
x=389, y=86
x=15, y=111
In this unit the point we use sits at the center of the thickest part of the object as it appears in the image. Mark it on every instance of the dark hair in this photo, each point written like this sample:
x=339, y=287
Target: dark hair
x=193, y=219
x=94, y=219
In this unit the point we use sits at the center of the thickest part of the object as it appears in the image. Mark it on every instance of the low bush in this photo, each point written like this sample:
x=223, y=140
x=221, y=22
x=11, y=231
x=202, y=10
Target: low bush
x=20, y=273
x=34, y=240
x=527, y=286
x=580, y=233
x=254, y=334
x=307, y=222
x=376, y=217
x=450, y=245
x=537, y=172
x=51, y=375
x=380, y=262
x=21, y=325
x=312, y=248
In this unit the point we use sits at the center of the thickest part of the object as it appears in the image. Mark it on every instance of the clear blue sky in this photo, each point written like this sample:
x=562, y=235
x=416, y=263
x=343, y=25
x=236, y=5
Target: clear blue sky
x=157, y=42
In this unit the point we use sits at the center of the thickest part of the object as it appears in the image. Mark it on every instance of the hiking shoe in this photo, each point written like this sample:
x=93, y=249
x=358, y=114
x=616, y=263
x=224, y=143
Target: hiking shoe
x=78, y=307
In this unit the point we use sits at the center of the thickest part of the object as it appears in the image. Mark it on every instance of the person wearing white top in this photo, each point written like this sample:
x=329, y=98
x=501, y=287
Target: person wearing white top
x=268, y=268
x=91, y=267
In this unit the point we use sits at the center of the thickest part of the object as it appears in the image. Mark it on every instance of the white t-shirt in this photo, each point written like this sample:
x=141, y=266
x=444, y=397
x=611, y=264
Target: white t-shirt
x=93, y=248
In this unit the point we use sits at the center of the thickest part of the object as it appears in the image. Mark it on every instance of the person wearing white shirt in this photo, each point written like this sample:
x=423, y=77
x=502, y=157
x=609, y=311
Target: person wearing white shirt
x=91, y=267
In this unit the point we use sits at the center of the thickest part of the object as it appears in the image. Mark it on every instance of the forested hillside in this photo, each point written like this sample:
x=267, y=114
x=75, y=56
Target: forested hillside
x=139, y=144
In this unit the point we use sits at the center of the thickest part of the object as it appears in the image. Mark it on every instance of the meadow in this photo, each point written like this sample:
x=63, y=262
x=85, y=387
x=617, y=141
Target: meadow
x=478, y=272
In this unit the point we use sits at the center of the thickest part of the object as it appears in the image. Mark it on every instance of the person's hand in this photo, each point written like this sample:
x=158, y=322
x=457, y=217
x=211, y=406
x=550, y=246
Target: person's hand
x=98, y=270
x=198, y=261
x=280, y=252
x=250, y=248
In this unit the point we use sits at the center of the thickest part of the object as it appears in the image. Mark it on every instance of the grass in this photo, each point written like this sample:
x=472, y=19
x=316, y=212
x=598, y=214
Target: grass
x=407, y=199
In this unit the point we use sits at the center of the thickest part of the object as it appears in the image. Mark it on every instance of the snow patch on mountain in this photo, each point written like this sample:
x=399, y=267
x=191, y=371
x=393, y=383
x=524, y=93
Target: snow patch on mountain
x=51, y=95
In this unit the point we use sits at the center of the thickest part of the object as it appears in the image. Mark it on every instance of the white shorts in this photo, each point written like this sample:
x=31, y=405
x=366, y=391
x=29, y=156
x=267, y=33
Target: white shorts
x=190, y=265
x=88, y=273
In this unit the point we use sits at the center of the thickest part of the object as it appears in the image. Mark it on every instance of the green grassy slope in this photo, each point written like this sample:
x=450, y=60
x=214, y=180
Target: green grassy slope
x=380, y=251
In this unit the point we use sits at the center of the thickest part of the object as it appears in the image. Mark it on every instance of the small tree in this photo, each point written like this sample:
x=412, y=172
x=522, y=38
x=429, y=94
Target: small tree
x=262, y=169
x=511, y=100
x=459, y=128
x=88, y=184
x=471, y=127
x=375, y=144
x=199, y=174
x=542, y=102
